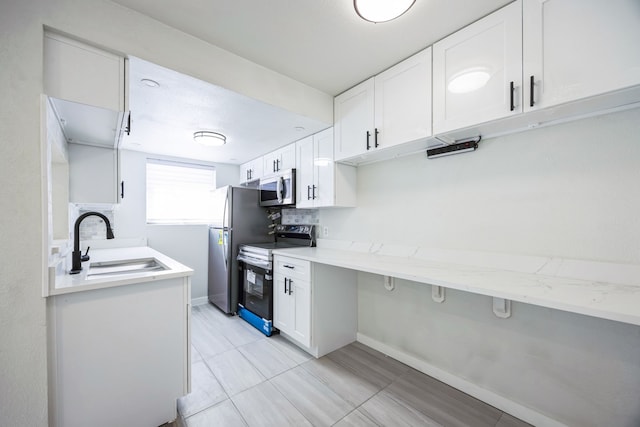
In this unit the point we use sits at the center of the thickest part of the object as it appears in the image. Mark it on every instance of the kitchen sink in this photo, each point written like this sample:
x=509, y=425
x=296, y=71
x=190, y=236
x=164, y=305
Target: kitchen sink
x=113, y=268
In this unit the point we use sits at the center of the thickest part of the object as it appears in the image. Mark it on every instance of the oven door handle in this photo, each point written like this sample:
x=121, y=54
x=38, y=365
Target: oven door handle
x=266, y=265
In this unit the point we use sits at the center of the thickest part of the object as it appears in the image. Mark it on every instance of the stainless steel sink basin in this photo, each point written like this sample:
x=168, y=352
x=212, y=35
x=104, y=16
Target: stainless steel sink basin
x=112, y=268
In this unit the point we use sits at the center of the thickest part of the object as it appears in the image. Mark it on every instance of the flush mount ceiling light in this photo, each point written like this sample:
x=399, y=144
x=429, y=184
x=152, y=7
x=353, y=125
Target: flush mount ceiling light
x=209, y=139
x=149, y=82
x=468, y=80
x=381, y=10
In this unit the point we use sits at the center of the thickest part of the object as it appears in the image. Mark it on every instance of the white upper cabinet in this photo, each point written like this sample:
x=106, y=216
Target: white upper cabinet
x=354, y=120
x=252, y=170
x=390, y=109
x=577, y=56
x=325, y=192
x=477, y=71
x=403, y=101
x=305, y=173
x=320, y=181
x=77, y=72
x=93, y=174
x=575, y=49
x=280, y=160
x=86, y=86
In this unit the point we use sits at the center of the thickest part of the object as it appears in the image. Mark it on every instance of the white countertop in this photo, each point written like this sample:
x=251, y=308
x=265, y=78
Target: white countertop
x=604, y=290
x=61, y=282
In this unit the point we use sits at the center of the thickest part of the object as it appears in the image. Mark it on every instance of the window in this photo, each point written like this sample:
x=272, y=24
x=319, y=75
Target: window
x=179, y=193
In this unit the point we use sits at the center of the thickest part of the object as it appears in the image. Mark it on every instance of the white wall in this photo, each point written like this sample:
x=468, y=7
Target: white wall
x=568, y=191
x=187, y=244
x=23, y=229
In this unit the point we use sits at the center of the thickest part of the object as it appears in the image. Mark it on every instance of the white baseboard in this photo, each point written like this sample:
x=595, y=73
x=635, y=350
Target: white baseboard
x=199, y=301
x=513, y=408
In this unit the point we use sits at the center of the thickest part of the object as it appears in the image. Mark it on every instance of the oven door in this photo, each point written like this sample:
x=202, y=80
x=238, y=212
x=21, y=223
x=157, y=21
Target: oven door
x=278, y=190
x=257, y=290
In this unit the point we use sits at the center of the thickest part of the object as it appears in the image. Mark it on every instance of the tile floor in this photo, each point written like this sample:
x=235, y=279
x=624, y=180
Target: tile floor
x=242, y=378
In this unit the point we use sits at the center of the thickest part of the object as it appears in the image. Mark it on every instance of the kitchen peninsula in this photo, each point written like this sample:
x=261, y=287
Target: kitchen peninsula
x=120, y=339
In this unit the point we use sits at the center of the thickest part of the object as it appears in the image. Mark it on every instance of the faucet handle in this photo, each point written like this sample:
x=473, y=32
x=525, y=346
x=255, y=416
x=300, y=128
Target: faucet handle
x=85, y=257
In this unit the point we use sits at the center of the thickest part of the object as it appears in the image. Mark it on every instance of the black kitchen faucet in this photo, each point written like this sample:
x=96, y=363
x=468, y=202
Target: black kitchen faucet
x=76, y=255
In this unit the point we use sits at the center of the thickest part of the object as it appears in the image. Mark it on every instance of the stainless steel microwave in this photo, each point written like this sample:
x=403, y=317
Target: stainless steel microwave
x=279, y=189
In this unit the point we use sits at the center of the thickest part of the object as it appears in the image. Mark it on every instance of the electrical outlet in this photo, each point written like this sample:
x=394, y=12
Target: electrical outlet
x=325, y=231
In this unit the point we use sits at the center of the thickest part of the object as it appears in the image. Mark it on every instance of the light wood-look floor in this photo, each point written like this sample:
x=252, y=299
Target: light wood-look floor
x=242, y=378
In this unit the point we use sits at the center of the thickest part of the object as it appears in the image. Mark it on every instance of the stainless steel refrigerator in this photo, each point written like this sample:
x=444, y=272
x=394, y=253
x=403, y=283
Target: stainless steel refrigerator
x=238, y=219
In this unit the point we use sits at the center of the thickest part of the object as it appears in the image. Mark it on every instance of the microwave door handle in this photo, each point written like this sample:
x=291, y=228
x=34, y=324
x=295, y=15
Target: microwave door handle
x=280, y=189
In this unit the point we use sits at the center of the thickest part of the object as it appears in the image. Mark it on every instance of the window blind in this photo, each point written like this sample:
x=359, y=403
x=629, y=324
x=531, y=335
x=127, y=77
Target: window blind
x=179, y=193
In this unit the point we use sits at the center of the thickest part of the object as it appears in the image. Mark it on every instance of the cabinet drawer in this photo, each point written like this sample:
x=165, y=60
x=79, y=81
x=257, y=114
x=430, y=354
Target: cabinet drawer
x=292, y=267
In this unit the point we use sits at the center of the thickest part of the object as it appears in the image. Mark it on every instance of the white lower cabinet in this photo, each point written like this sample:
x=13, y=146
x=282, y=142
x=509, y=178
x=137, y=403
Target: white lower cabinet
x=314, y=304
x=120, y=355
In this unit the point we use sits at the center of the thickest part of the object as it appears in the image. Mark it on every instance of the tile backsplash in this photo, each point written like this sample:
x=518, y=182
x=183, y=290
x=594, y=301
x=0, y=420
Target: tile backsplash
x=92, y=227
x=300, y=216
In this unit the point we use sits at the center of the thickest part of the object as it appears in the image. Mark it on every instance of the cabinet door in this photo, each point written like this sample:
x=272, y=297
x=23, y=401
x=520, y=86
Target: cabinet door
x=77, y=72
x=257, y=168
x=287, y=157
x=93, y=174
x=353, y=121
x=572, y=62
x=477, y=71
x=283, y=314
x=301, y=301
x=270, y=163
x=245, y=169
x=324, y=169
x=403, y=101
x=251, y=170
x=305, y=173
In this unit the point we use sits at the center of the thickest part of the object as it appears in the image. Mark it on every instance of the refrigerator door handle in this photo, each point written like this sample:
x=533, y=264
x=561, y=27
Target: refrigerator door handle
x=224, y=212
x=225, y=247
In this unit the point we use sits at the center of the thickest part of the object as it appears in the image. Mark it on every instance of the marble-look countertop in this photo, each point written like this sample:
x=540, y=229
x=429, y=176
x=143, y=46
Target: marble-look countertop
x=605, y=290
x=61, y=282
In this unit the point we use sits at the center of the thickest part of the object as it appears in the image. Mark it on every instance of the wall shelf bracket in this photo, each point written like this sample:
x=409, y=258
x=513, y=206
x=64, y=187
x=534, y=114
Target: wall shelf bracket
x=502, y=308
x=437, y=293
x=389, y=283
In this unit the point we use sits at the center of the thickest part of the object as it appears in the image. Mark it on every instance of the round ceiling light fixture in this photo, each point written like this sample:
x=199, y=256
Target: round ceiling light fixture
x=377, y=11
x=209, y=139
x=149, y=82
